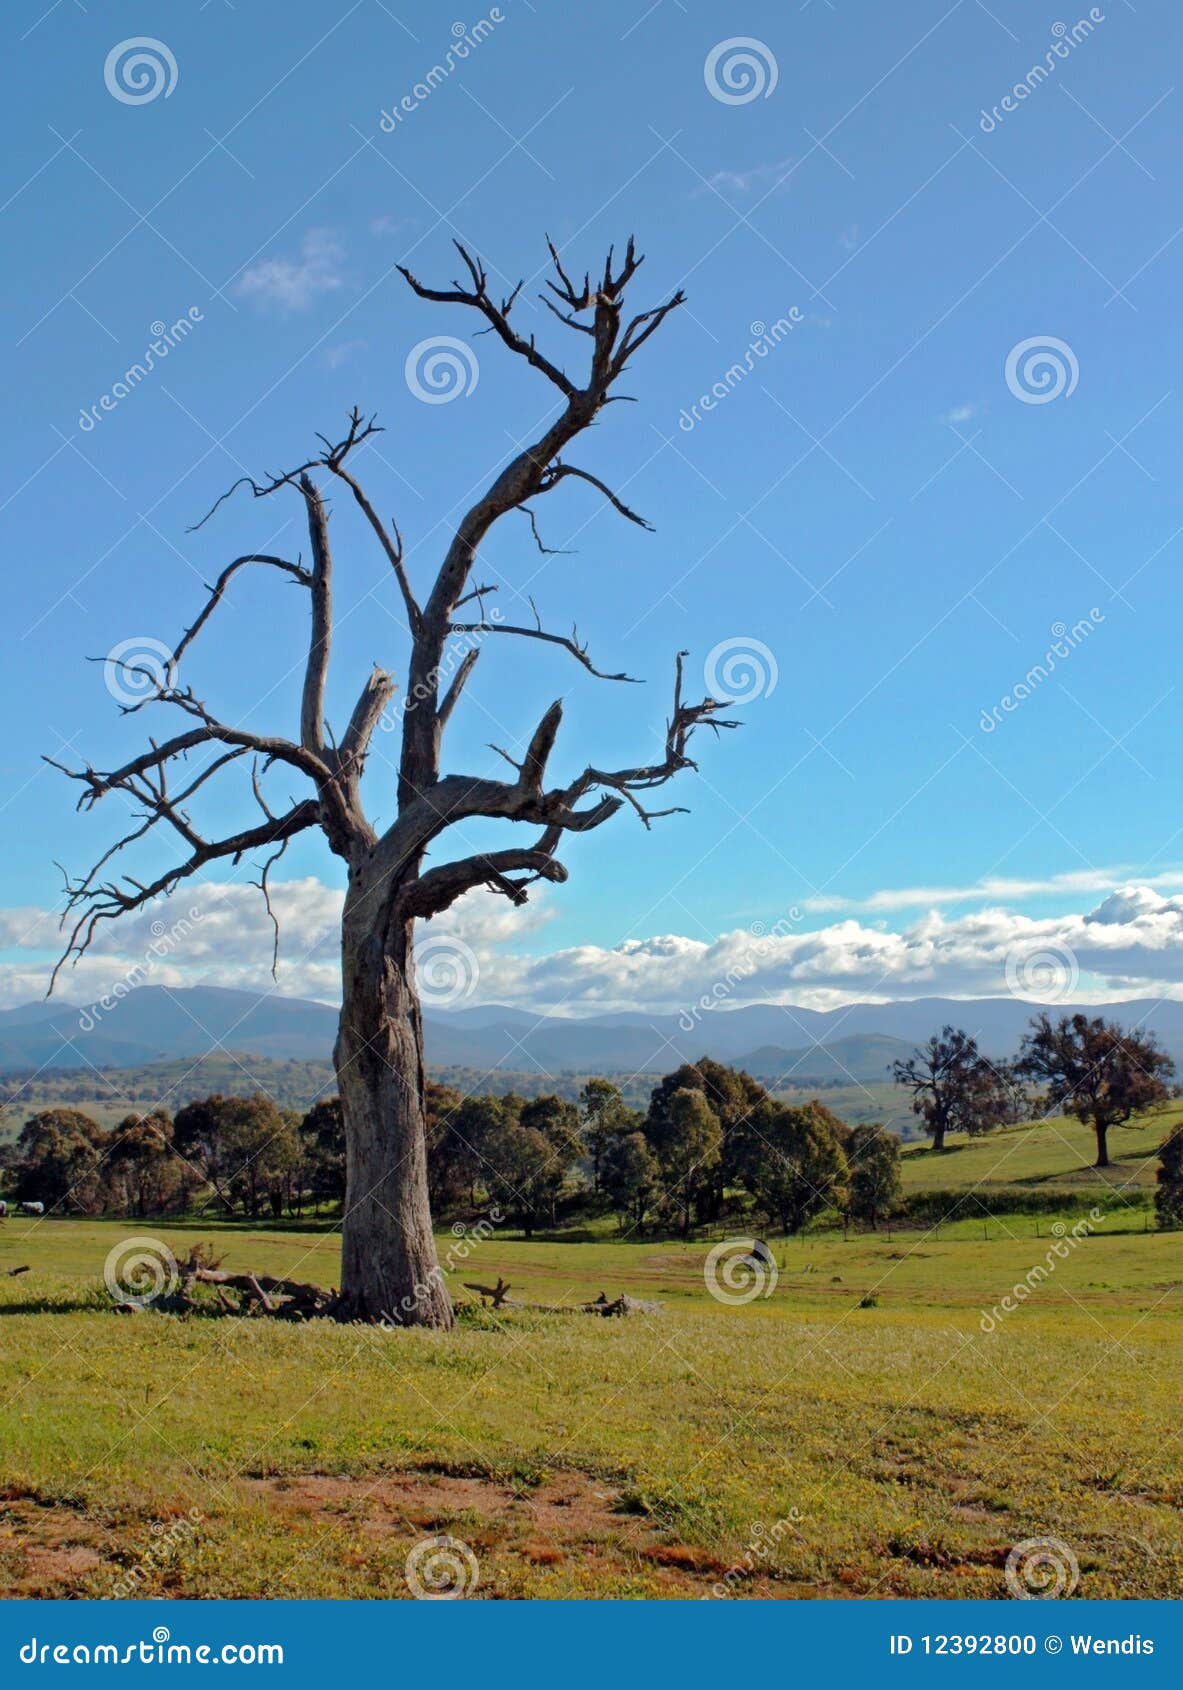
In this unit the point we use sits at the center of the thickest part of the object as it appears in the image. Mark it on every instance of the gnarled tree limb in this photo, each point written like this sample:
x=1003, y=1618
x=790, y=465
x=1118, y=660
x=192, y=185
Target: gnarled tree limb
x=429, y=801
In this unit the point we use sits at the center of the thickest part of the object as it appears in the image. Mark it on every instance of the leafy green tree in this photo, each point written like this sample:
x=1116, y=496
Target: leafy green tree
x=604, y=1118
x=322, y=1143
x=1168, y=1198
x=142, y=1172
x=199, y=1135
x=460, y=1157
x=557, y=1119
x=873, y=1156
x=58, y=1162
x=1097, y=1071
x=525, y=1174
x=954, y=1087
x=631, y=1176
x=247, y=1147
x=685, y=1136
x=794, y=1163
x=732, y=1095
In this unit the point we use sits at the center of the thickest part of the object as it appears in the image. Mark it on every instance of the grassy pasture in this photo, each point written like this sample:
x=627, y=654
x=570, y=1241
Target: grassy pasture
x=1054, y=1155
x=884, y=1450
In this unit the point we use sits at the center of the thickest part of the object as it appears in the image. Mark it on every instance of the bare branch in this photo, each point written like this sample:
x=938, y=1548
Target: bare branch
x=312, y=730
x=367, y=713
x=391, y=543
x=537, y=468
x=295, y=570
x=107, y=902
x=264, y=885
x=570, y=643
x=334, y=453
x=497, y=316
x=467, y=665
x=547, y=551
x=439, y=888
x=559, y=472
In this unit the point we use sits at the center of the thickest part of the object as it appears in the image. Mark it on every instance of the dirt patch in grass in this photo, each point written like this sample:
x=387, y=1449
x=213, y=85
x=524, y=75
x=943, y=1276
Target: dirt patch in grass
x=46, y=1548
x=567, y=1520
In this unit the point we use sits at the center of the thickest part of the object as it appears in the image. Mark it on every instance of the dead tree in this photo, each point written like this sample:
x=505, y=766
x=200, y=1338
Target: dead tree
x=389, y=1263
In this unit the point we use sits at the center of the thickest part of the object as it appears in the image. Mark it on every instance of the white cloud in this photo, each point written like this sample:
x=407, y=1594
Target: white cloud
x=334, y=356
x=993, y=887
x=960, y=414
x=1129, y=943
x=219, y=934
x=768, y=177
x=387, y=225
x=292, y=284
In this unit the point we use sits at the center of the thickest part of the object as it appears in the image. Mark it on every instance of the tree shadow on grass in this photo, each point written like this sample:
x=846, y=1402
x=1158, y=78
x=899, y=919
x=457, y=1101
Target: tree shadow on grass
x=52, y=1305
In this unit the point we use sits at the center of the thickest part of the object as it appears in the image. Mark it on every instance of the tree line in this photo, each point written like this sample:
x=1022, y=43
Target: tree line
x=712, y=1144
x=1093, y=1069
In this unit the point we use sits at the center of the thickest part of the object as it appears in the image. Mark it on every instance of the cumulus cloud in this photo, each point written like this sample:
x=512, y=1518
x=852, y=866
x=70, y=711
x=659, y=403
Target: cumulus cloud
x=292, y=284
x=1129, y=943
x=219, y=934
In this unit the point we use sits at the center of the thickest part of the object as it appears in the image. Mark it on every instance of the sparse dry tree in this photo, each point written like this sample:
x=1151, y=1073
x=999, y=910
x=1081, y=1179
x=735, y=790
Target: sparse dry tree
x=389, y=1266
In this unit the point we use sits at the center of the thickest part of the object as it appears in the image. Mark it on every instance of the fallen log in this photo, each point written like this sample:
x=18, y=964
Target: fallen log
x=495, y=1296
x=286, y=1299
x=495, y=1293
x=258, y=1293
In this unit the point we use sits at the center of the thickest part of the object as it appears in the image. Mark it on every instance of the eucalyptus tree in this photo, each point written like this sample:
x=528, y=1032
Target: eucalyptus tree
x=400, y=874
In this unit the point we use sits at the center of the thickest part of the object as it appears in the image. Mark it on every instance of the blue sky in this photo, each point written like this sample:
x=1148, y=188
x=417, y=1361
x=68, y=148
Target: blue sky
x=898, y=529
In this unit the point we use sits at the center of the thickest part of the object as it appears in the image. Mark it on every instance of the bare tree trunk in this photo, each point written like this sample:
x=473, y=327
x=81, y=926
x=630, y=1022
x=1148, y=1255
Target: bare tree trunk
x=1102, y=1133
x=389, y=1268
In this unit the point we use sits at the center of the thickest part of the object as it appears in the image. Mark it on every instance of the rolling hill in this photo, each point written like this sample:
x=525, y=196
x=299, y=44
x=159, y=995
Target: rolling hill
x=858, y=1042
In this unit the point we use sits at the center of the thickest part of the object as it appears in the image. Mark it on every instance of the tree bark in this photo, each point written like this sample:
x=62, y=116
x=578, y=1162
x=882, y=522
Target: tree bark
x=1102, y=1133
x=389, y=1268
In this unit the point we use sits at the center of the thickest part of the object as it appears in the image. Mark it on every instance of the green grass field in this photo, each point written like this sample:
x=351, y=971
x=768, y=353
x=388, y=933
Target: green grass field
x=854, y=1433
x=1053, y=1156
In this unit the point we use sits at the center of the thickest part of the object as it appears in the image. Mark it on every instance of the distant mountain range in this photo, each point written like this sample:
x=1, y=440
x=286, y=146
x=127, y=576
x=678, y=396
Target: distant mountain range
x=798, y=1046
